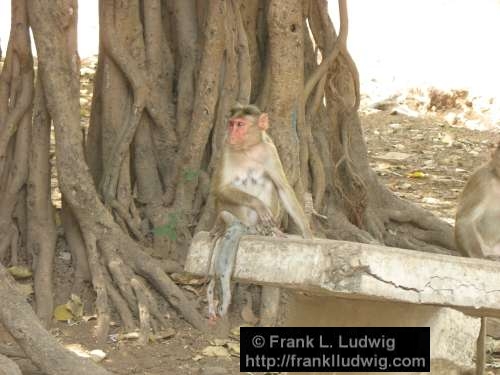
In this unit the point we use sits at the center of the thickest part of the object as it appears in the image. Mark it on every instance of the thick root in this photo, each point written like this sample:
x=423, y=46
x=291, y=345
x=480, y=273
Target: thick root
x=8, y=367
x=43, y=349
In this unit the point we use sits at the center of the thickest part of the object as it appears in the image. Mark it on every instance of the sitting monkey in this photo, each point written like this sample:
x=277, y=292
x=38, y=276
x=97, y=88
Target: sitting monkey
x=477, y=225
x=248, y=187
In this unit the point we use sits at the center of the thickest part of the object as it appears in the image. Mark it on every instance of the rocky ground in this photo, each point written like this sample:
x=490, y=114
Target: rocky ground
x=423, y=144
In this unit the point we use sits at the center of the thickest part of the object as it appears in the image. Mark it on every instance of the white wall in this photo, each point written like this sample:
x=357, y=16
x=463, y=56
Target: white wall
x=88, y=26
x=447, y=43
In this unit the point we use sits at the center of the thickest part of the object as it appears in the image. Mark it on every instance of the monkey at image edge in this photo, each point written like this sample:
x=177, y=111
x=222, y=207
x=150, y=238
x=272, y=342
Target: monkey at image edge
x=477, y=225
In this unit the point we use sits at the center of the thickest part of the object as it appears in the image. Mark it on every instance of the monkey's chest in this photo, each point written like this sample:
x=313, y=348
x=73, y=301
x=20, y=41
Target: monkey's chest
x=255, y=183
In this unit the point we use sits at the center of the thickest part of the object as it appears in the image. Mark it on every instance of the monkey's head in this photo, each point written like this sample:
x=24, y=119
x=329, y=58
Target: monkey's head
x=246, y=126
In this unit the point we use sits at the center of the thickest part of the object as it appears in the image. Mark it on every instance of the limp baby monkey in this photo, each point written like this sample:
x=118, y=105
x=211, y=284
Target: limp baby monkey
x=248, y=187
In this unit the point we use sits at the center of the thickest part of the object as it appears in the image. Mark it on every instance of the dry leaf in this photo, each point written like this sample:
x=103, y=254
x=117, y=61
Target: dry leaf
x=62, y=314
x=20, y=272
x=394, y=156
x=97, y=355
x=165, y=334
x=219, y=342
x=234, y=348
x=431, y=200
x=417, y=174
x=75, y=306
x=78, y=349
x=448, y=139
x=216, y=351
x=88, y=318
x=129, y=336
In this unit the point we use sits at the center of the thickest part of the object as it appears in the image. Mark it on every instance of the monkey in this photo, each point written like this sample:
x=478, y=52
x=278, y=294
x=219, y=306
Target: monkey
x=477, y=232
x=477, y=225
x=248, y=187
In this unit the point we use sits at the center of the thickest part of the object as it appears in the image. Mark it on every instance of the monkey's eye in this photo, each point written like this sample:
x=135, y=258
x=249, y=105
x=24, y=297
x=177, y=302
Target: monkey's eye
x=237, y=123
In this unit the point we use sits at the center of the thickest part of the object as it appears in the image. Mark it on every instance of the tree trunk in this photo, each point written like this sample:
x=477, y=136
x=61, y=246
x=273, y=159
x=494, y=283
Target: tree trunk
x=167, y=75
x=43, y=349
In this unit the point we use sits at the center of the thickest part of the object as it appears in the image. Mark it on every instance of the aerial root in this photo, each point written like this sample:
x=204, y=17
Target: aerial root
x=99, y=283
x=424, y=227
x=343, y=229
x=121, y=306
x=9, y=367
x=128, y=218
x=144, y=313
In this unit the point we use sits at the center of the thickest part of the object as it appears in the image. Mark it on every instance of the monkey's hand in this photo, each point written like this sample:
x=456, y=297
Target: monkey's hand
x=265, y=215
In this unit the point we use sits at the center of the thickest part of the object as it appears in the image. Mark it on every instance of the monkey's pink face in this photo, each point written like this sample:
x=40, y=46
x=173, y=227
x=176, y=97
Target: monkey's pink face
x=237, y=130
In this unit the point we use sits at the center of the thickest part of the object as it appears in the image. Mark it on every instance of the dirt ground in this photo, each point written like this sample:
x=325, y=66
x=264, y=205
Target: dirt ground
x=417, y=148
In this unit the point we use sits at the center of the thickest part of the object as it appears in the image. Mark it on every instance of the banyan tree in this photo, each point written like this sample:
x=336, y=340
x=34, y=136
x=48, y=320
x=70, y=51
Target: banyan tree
x=135, y=180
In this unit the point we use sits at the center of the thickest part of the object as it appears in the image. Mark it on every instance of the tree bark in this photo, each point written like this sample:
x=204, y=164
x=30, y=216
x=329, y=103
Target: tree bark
x=43, y=349
x=167, y=75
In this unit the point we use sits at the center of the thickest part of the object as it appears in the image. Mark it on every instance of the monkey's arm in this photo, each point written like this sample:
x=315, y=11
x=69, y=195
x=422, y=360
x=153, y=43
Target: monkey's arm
x=275, y=171
x=468, y=238
x=234, y=196
x=469, y=212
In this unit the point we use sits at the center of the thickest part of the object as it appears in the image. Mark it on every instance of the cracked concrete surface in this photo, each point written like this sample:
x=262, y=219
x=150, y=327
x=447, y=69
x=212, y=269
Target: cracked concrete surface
x=336, y=283
x=347, y=269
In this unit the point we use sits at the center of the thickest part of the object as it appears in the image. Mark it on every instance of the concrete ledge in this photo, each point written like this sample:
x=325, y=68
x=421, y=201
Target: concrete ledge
x=360, y=271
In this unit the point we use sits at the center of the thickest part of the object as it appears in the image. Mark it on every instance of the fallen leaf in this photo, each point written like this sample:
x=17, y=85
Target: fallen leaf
x=75, y=306
x=97, y=355
x=394, y=156
x=431, y=200
x=20, y=272
x=129, y=336
x=395, y=125
x=78, y=349
x=165, y=334
x=62, y=314
x=219, y=342
x=448, y=139
x=88, y=318
x=216, y=351
x=234, y=348
x=417, y=174
x=382, y=166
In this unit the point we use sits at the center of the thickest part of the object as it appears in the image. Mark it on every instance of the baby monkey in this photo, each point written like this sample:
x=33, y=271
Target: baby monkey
x=249, y=187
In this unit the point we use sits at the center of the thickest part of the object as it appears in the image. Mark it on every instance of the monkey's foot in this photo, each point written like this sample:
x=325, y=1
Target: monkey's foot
x=212, y=320
x=278, y=233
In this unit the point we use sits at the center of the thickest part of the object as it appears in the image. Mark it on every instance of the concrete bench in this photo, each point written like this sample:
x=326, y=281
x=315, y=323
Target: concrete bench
x=337, y=283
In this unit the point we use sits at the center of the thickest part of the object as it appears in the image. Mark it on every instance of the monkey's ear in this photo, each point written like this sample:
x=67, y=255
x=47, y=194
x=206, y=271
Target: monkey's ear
x=263, y=121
